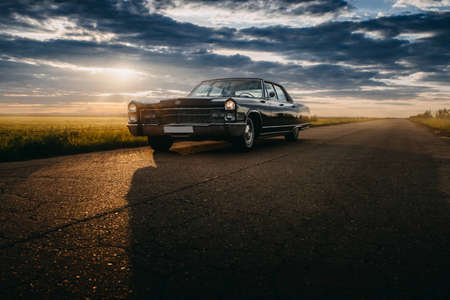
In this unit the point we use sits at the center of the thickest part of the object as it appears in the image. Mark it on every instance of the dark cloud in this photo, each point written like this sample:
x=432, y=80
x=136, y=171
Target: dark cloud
x=323, y=7
x=344, y=42
x=348, y=42
x=290, y=7
x=399, y=93
x=13, y=73
x=128, y=19
x=347, y=55
x=392, y=26
x=89, y=53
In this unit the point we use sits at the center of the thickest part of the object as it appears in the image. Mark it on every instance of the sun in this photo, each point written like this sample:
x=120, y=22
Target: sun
x=123, y=73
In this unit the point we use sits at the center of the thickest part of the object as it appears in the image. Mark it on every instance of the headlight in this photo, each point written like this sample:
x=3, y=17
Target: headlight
x=132, y=107
x=132, y=118
x=230, y=105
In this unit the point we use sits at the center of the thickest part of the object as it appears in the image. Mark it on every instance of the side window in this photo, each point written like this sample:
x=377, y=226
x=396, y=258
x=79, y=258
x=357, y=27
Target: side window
x=281, y=95
x=269, y=89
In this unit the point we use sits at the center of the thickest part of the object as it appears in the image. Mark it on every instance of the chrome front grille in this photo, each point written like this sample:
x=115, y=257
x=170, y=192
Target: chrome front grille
x=181, y=115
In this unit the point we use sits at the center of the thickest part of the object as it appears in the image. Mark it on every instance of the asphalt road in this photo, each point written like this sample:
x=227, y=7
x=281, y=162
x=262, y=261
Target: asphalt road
x=358, y=210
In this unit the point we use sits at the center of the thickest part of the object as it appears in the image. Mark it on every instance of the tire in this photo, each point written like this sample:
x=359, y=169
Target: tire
x=160, y=143
x=293, y=135
x=247, y=140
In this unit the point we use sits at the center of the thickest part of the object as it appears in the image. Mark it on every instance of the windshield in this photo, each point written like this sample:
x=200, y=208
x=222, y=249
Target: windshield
x=249, y=88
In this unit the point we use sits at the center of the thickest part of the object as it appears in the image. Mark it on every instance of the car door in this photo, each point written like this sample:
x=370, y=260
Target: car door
x=287, y=112
x=270, y=102
x=262, y=106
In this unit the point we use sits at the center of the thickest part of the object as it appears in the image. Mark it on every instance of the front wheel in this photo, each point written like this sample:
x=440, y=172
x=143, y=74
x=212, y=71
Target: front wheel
x=246, y=141
x=160, y=143
x=293, y=135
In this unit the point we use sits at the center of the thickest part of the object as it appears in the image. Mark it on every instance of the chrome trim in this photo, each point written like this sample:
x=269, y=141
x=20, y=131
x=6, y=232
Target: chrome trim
x=214, y=124
x=194, y=114
x=192, y=124
x=303, y=125
x=295, y=125
x=274, y=132
x=182, y=108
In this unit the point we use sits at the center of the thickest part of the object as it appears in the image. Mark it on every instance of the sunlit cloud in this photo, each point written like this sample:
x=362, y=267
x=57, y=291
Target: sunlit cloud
x=264, y=56
x=418, y=79
x=435, y=5
x=61, y=28
x=374, y=35
x=412, y=37
x=211, y=14
x=254, y=55
x=118, y=72
x=149, y=94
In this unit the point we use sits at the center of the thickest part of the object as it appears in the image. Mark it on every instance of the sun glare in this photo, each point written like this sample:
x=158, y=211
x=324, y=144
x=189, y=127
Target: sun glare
x=119, y=74
x=123, y=73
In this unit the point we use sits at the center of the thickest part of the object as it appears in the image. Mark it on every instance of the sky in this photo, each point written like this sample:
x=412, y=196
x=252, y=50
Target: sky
x=382, y=58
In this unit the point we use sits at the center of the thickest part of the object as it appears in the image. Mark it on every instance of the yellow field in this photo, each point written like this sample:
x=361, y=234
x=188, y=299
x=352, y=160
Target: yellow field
x=440, y=125
x=25, y=137
x=323, y=121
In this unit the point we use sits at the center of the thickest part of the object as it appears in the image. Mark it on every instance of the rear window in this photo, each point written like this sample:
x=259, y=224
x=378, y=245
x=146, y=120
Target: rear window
x=281, y=95
x=269, y=88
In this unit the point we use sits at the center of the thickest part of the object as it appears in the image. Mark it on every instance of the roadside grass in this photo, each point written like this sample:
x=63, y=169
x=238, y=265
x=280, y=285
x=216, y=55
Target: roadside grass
x=440, y=126
x=326, y=121
x=29, y=137
x=439, y=120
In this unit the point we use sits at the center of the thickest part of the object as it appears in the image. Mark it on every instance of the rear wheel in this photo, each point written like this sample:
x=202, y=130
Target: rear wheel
x=160, y=143
x=246, y=141
x=293, y=135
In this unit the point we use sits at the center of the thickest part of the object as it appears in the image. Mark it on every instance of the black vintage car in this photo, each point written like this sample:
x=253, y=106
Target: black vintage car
x=234, y=109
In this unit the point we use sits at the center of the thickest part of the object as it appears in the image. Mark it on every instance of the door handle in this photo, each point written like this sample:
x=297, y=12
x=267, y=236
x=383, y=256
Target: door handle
x=263, y=101
x=281, y=104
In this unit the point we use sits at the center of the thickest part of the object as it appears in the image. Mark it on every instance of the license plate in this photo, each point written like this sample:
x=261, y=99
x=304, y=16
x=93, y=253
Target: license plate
x=178, y=129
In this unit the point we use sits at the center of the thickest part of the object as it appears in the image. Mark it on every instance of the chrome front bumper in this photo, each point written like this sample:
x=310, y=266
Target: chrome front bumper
x=210, y=130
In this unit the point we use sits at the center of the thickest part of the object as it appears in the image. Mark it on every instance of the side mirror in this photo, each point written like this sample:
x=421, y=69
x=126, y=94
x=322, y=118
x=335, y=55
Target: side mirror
x=272, y=94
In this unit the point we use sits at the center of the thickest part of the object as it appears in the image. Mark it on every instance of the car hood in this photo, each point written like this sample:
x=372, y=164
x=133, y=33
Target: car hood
x=186, y=102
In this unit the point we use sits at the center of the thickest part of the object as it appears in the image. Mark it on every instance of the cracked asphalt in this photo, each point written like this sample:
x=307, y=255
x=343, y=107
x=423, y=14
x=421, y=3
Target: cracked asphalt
x=357, y=210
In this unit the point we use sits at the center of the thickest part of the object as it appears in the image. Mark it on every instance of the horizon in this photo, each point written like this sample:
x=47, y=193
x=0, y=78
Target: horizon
x=385, y=58
x=125, y=115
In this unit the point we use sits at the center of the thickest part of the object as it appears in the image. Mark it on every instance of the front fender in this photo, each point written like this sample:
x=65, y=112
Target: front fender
x=245, y=108
x=253, y=111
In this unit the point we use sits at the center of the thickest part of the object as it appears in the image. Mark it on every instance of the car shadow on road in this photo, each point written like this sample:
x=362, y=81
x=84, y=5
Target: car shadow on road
x=213, y=147
x=373, y=228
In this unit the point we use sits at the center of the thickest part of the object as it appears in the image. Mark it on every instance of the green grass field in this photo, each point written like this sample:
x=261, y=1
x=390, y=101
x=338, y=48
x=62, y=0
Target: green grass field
x=28, y=137
x=441, y=126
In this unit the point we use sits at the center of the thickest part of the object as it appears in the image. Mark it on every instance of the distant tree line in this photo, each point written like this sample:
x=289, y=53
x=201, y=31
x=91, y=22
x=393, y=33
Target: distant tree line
x=440, y=114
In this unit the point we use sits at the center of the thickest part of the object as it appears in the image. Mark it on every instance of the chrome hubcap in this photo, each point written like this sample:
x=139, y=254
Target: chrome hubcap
x=248, y=134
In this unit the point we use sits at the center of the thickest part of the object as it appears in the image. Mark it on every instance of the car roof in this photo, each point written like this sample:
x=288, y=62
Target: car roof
x=240, y=78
